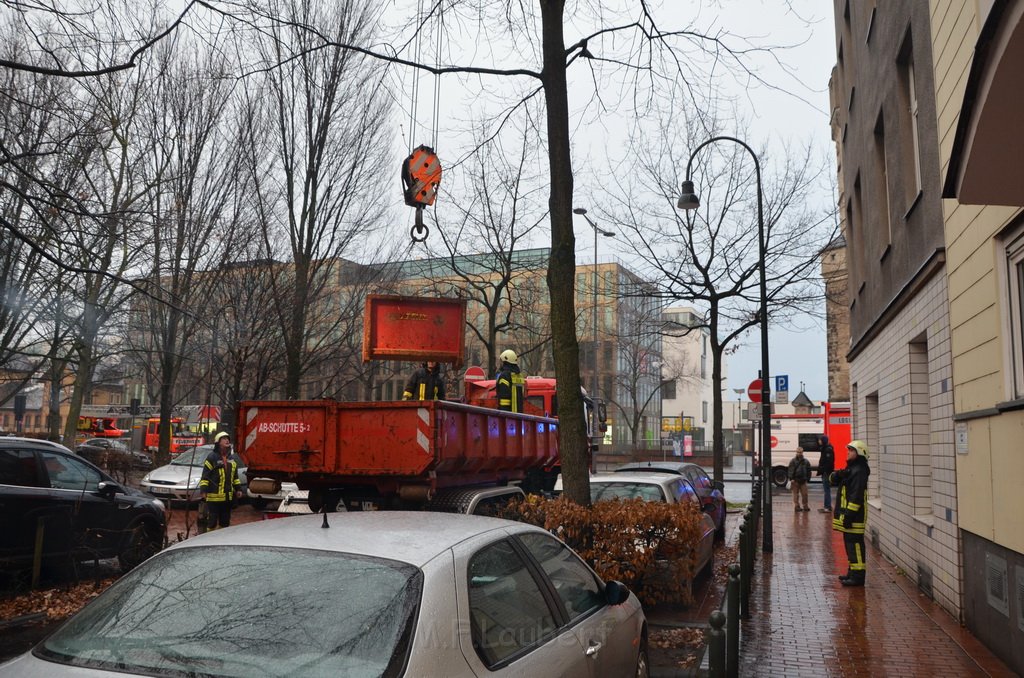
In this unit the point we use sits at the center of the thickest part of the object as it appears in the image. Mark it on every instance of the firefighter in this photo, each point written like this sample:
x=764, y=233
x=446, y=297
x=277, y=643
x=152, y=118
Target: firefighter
x=510, y=384
x=850, y=514
x=219, y=485
x=426, y=383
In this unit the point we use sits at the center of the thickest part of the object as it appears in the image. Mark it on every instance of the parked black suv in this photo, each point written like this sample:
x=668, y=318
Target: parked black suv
x=81, y=512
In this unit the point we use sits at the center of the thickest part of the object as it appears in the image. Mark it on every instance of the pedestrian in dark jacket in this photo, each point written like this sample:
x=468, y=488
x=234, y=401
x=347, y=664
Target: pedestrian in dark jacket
x=510, y=383
x=799, y=475
x=850, y=516
x=826, y=464
x=219, y=484
x=426, y=383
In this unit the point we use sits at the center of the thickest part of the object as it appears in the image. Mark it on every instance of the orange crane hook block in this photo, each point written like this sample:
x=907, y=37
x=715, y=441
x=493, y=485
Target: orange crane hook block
x=421, y=175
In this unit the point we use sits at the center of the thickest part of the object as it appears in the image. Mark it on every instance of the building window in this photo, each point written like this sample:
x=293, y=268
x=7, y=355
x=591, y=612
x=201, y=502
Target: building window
x=704, y=411
x=1015, y=297
x=911, y=141
x=881, y=196
x=668, y=390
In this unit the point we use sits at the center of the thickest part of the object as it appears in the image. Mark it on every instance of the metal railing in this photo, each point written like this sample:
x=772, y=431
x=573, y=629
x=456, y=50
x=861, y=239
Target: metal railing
x=724, y=636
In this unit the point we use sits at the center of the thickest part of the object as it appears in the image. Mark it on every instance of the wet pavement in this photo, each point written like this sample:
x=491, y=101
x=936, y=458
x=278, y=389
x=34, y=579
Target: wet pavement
x=805, y=623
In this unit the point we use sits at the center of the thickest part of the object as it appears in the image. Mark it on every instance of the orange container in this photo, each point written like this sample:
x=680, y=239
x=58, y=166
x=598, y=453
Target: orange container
x=414, y=328
x=388, y=445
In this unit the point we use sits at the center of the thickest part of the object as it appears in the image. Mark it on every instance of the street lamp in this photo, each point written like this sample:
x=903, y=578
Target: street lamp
x=688, y=200
x=608, y=234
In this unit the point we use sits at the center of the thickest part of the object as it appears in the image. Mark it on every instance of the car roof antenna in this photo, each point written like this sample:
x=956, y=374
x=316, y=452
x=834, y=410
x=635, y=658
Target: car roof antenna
x=324, y=511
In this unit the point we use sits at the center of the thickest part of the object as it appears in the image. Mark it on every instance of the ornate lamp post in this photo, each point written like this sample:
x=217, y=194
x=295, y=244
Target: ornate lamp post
x=688, y=200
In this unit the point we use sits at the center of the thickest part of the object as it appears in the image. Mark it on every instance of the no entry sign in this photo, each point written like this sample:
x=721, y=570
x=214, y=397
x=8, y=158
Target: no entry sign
x=754, y=391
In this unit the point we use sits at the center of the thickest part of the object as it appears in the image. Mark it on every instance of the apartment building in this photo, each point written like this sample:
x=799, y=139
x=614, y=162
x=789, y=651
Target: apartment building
x=899, y=354
x=978, y=48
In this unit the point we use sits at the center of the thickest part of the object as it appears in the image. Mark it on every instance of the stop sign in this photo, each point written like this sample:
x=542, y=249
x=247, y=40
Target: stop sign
x=754, y=391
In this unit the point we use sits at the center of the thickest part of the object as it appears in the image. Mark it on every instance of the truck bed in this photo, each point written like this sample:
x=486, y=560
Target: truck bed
x=393, y=447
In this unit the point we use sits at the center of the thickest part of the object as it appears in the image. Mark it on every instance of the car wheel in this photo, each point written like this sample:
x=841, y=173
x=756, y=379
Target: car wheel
x=144, y=541
x=780, y=476
x=643, y=667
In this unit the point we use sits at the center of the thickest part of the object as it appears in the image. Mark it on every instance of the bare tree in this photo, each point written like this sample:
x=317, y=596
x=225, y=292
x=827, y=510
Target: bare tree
x=497, y=211
x=710, y=257
x=329, y=154
x=638, y=381
x=196, y=167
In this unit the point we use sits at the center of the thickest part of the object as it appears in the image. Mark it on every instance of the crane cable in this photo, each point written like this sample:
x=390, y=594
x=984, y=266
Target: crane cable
x=421, y=171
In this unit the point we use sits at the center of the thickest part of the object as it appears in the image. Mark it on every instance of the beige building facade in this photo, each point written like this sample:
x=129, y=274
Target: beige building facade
x=978, y=47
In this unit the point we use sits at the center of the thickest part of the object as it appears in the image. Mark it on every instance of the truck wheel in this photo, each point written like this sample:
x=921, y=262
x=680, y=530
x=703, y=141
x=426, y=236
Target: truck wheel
x=316, y=500
x=780, y=476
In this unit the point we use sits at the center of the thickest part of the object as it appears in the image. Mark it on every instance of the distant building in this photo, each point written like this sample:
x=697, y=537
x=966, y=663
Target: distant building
x=837, y=318
x=687, y=393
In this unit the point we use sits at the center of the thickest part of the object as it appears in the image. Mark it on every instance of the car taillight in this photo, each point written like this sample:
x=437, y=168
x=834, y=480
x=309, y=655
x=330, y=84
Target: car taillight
x=268, y=515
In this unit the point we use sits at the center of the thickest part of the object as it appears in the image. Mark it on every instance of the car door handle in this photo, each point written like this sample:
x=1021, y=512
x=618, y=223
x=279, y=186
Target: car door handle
x=593, y=649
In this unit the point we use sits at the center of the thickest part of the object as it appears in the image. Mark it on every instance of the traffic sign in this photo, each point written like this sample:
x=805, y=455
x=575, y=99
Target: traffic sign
x=474, y=373
x=754, y=411
x=754, y=391
x=782, y=389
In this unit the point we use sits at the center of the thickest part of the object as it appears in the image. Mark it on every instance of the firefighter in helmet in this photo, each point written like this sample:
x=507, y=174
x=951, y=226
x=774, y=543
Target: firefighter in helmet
x=510, y=383
x=850, y=513
x=426, y=383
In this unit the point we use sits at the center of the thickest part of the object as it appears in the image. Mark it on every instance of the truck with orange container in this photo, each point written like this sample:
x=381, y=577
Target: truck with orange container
x=404, y=454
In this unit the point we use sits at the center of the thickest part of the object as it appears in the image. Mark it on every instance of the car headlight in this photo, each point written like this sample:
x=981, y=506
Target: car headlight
x=145, y=478
x=193, y=482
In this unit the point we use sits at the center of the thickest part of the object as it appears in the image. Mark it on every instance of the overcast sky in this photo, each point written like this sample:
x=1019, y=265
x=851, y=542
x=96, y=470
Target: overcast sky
x=781, y=120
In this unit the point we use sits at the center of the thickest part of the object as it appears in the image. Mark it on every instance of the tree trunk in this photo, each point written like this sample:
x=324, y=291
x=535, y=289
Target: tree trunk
x=574, y=448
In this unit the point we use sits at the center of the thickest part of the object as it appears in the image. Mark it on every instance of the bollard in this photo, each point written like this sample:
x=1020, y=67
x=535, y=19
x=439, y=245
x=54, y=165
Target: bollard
x=716, y=645
x=732, y=619
x=746, y=570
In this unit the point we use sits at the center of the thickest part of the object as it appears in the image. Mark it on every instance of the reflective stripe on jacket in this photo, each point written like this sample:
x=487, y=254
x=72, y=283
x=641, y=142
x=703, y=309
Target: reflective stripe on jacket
x=510, y=389
x=219, y=482
x=425, y=385
x=850, y=513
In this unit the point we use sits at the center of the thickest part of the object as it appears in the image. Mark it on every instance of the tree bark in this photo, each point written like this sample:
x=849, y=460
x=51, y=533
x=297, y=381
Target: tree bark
x=574, y=447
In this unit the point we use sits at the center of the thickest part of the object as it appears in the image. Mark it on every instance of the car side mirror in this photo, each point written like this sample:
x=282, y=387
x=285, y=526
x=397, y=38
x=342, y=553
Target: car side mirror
x=109, y=489
x=616, y=593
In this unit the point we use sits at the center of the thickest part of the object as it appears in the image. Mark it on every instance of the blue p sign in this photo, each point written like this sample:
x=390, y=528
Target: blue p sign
x=782, y=382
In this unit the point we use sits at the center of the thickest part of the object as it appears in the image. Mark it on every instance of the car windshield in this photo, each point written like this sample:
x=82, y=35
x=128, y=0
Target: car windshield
x=230, y=611
x=625, y=490
x=193, y=456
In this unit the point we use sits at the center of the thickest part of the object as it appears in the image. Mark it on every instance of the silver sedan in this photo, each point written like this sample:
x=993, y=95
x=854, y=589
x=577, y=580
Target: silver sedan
x=373, y=594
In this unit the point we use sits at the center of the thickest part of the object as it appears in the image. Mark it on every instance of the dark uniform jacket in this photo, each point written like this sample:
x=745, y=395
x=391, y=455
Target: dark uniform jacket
x=510, y=388
x=219, y=480
x=850, y=512
x=827, y=462
x=425, y=384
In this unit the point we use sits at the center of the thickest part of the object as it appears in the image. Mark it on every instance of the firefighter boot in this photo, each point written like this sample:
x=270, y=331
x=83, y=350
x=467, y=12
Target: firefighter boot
x=855, y=579
x=844, y=577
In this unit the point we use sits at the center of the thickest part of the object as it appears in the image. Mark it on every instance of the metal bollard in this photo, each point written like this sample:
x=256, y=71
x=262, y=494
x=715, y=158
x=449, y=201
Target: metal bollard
x=732, y=618
x=746, y=570
x=716, y=645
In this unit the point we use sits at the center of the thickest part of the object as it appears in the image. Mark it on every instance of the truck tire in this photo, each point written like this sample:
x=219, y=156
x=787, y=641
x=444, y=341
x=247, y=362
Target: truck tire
x=316, y=500
x=780, y=476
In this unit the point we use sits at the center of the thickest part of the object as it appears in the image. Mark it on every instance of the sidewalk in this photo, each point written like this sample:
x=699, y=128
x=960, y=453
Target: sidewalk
x=804, y=623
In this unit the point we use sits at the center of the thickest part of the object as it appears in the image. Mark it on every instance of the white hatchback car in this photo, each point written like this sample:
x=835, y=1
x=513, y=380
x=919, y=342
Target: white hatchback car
x=384, y=593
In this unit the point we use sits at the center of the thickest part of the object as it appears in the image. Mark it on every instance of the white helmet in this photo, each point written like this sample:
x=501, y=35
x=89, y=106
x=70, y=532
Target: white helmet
x=509, y=356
